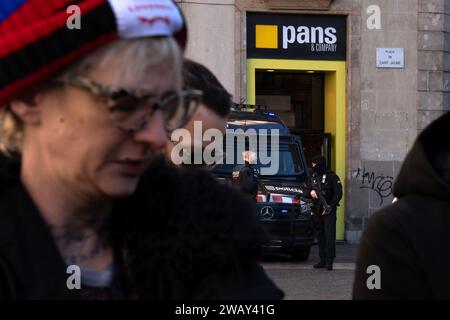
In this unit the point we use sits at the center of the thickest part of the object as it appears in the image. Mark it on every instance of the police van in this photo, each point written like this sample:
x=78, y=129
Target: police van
x=281, y=204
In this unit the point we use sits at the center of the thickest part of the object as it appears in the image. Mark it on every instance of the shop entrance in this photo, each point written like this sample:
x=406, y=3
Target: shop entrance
x=310, y=96
x=298, y=97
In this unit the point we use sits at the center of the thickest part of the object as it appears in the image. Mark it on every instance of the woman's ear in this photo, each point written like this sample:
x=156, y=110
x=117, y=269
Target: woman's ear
x=26, y=110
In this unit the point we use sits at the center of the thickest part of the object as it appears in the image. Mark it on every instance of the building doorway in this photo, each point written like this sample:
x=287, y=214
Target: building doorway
x=334, y=113
x=298, y=97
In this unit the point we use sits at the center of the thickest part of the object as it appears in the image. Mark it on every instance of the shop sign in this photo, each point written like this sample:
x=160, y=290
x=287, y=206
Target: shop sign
x=289, y=36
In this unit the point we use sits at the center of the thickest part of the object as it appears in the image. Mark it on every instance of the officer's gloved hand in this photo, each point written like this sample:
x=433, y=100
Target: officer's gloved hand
x=326, y=209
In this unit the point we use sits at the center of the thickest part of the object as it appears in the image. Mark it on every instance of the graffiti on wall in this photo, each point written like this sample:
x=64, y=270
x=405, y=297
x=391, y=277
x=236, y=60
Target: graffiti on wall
x=380, y=184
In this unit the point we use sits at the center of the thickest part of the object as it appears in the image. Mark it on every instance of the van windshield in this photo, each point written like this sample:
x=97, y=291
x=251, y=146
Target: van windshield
x=289, y=163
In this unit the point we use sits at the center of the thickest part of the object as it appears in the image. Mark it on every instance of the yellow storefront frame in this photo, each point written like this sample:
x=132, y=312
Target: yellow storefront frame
x=335, y=109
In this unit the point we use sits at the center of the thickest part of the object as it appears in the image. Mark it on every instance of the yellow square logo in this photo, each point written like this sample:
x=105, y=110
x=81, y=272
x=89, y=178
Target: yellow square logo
x=266, y=36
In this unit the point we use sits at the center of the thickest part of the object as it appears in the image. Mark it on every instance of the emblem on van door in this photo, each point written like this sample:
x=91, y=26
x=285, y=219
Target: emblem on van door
x=267, y=213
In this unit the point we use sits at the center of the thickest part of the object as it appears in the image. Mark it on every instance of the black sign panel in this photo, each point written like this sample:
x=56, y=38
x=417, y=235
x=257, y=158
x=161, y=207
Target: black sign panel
x=289, y=36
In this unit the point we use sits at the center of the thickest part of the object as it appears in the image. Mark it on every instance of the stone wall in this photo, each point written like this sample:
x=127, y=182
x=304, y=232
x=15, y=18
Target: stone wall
x=434, y=60
x=383, y=112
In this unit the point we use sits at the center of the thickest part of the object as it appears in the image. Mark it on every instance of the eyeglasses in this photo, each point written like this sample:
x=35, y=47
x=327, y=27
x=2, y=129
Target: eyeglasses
x=131, y=110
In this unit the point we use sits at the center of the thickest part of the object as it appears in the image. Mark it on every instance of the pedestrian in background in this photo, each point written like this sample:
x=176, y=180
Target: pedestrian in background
x=245, y=177
x=211, y=113
x=403, y=250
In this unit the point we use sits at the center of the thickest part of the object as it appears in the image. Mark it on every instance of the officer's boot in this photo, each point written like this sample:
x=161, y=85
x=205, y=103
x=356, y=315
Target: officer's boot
x=320, y=264
x=329, y=264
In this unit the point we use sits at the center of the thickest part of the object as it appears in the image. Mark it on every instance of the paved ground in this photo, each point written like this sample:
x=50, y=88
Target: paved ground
x=300, y=281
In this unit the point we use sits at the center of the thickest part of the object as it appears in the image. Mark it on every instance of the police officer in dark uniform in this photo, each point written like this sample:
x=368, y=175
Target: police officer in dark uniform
x=326, y=189
x=245, y=177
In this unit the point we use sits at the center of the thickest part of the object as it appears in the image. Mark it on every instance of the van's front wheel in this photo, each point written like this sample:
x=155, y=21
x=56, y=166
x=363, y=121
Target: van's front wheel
x=300, y=253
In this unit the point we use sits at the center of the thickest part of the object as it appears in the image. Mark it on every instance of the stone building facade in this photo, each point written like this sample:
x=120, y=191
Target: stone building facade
x=383, y=109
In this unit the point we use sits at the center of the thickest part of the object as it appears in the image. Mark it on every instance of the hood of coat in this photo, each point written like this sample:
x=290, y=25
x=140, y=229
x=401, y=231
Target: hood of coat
x=426, y=169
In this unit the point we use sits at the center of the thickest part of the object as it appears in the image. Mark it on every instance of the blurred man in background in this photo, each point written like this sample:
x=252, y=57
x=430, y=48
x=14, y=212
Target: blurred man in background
x=211, y=113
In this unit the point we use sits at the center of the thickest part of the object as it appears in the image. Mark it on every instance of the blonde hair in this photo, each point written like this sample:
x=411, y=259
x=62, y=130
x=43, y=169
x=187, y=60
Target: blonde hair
x=131, y=59
x=11, y=132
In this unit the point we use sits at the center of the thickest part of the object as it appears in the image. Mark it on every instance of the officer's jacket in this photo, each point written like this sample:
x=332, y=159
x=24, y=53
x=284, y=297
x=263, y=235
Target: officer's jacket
x=331, y=187
x=245, y=178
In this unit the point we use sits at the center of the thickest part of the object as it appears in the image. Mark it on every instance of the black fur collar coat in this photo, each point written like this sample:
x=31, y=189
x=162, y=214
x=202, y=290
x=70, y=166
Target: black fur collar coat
x=180, y=236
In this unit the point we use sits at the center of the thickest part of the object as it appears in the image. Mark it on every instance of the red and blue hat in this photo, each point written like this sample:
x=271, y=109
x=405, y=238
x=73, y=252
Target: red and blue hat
x=37, y=41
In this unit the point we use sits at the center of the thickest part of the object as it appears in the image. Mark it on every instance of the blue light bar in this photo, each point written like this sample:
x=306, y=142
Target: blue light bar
x=284, y=211
x=271, y=114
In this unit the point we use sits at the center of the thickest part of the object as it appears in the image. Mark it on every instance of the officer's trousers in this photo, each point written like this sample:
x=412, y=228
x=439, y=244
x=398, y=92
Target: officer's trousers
x=325, y=226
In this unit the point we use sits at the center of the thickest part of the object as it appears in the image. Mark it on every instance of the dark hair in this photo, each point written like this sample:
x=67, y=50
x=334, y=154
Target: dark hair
x=215, y=96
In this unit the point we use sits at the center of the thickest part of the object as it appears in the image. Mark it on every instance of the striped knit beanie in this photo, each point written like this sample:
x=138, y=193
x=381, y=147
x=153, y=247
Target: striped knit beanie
x=39, y=38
